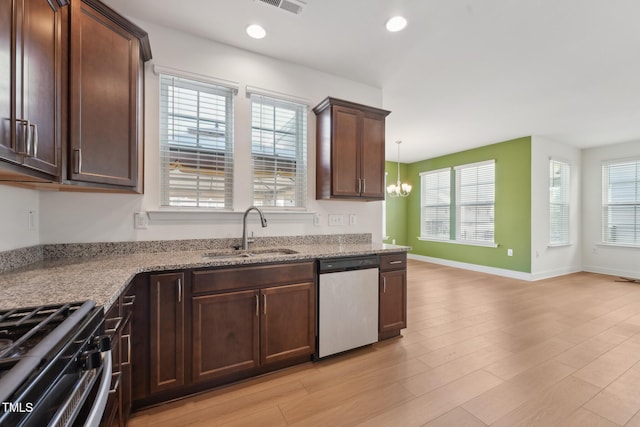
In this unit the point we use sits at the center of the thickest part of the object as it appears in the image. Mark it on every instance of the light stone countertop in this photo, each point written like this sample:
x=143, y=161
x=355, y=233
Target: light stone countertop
x=103, y=278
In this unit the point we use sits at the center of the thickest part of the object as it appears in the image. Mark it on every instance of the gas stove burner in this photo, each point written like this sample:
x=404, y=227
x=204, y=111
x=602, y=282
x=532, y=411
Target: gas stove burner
x=6, y=350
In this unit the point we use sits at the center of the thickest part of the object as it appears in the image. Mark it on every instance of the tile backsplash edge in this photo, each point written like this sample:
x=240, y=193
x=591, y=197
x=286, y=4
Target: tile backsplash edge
x=21, y=257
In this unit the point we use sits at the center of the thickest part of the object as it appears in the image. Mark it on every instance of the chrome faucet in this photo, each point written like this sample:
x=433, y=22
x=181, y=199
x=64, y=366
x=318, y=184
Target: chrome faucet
x=263, y=220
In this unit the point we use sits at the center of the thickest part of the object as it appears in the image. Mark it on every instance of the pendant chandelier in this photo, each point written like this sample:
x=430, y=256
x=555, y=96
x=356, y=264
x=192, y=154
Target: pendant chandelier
x=399, y=189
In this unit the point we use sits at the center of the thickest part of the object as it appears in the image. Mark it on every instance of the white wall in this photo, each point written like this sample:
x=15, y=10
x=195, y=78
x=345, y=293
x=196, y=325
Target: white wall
x=80, y=217
x=619, y=261
x=15, y=231
x=549, y=261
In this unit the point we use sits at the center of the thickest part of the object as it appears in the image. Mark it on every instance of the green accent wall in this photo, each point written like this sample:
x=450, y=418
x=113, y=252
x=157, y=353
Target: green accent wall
x=512, y=207
x=396, y=206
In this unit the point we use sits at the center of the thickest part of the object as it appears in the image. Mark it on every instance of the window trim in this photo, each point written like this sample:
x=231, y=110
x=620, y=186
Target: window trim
x=229, y=92
x=301, y=110
x=604, y=165
x=458, y=204
x=424, y=236
x=567, y=163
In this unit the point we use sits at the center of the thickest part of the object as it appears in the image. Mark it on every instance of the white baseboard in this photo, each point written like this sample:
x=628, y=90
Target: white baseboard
x=475, y=267
x=612, y=271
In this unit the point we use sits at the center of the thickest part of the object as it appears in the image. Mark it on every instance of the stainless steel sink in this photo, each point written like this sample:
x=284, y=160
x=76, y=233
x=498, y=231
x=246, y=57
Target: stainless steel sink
x=249, y=254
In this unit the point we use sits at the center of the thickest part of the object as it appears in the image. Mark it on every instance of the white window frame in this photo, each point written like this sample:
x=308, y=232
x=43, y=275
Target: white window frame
x=559, y=202
x=435, y=195
x=289, y=170
x=621, y=202
x=192, y=156
x=481, y=200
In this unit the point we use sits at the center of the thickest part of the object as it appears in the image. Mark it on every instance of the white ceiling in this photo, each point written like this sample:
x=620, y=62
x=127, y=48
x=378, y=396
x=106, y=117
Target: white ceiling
x=464, y=73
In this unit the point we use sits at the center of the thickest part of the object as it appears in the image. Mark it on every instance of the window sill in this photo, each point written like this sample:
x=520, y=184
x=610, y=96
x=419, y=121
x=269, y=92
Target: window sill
x=177, y=216
x=559, y=245
x=618, y=245
x=461, y=242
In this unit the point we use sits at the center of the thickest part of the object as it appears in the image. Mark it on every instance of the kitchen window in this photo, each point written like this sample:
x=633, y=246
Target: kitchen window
x=475, y=203
x=196, y=143
x=435, y=187
x=559, y=189
x=621, y=203
x=278, y=152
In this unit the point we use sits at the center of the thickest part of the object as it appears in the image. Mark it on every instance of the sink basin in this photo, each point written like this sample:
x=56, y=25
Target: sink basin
x=249, y=254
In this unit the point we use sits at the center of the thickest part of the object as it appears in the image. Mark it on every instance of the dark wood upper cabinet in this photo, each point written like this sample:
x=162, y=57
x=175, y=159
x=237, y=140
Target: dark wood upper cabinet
x=350, y=155
x=71, y=96
x=32, y=37
x=106, y=97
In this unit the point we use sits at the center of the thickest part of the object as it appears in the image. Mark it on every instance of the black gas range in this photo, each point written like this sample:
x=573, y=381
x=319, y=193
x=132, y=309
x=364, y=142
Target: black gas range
x=55, y=365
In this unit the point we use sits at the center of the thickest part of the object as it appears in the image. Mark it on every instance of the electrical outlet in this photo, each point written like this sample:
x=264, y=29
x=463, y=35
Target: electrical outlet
x=336, y=219
x=352, y=219
x=140, y=221
x=316, y=219
x=509, y=252
x=32, y=220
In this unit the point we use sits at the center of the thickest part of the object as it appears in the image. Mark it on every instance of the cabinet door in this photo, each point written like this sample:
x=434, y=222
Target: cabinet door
x=288, y=322
x=372, y=157
x=345, y=165
x=39, y=94
x=225, y=334
x=167, y=338
x=7, y=80
x=104, y=84
x=393, y=301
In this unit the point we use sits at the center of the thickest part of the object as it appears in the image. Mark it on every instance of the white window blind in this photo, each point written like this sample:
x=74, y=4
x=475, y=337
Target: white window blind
x=435, y=194
x=475, y=201
x=196, y=143
x=621, y=203
x=559, y=190
x=278, y=152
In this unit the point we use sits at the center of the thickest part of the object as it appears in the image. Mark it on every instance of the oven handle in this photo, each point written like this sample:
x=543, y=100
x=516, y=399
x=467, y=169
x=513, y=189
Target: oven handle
x=100, y=403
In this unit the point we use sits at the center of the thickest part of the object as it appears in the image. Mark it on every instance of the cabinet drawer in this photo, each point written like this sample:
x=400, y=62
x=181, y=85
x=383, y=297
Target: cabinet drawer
x=393, y=261
x=225, y=279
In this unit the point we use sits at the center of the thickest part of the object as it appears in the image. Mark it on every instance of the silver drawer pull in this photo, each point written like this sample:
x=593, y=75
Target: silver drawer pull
x=116, y=384
x=118, y=321
x=395, y=262
x=128, y=300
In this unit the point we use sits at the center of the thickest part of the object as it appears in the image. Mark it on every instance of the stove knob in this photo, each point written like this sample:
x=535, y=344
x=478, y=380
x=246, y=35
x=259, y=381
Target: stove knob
x=90, y=360
x=102, y=343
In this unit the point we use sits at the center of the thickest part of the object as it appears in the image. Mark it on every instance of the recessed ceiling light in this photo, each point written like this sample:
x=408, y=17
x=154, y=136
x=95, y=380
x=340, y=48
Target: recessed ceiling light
x=256, y=31
x=396, y=23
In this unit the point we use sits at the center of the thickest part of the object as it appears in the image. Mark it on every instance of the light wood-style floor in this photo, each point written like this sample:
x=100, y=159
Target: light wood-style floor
x=479, y=350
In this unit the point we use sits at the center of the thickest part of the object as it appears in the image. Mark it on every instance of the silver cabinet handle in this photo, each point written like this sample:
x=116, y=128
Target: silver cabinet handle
x=116, y=384
x=26, y=136
x=179, y=290
x=384, y=285
x=364, y=185
x=359, y=186
x=257, y=305
x=34, y=140
x=264, y=297
x=128, y=300
x=77, y=160
x=128, y=337
x=395, y=262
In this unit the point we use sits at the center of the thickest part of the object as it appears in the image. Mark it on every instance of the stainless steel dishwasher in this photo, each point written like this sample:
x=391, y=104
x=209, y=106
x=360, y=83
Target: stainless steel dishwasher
x=347, y=303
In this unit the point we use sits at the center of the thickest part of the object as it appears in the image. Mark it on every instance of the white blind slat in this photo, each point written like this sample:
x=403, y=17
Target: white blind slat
x=196, y=143
x=559, y=192
x=278, y=152
x=475, y=201
x=621, y=203
x=436, y=204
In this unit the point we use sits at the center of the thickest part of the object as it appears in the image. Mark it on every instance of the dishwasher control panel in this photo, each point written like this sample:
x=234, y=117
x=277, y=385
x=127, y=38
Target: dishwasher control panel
x=330, y=265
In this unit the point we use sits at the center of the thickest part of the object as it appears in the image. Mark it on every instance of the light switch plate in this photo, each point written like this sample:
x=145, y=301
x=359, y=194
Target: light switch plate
x=140, y=221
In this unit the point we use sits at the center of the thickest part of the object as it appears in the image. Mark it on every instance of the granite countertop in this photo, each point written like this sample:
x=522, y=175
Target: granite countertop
x=103, y=278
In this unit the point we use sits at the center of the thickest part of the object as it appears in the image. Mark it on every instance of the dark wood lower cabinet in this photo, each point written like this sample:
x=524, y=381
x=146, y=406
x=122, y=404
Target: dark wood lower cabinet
x=225, y=334
x=392, y=315
x=287, y=324
x=211, y=327
x=167, y=331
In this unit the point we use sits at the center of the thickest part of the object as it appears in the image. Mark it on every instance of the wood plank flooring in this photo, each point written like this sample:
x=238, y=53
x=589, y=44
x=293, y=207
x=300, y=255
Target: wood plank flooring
x=479, y=350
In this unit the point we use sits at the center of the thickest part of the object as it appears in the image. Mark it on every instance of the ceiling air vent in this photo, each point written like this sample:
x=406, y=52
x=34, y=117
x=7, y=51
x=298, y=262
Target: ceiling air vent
x=293, y=6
